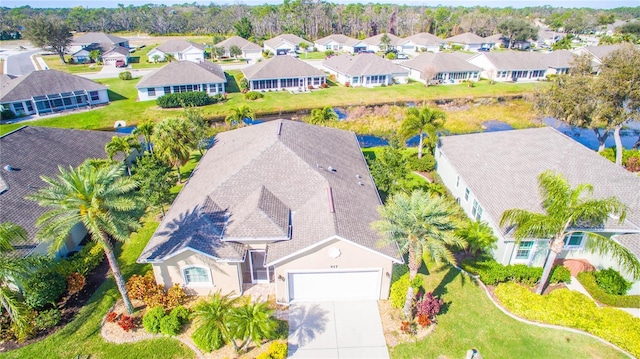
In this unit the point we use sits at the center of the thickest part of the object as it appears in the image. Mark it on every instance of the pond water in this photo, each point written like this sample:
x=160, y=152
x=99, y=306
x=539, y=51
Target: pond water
x=495, y=126
x=588, y=138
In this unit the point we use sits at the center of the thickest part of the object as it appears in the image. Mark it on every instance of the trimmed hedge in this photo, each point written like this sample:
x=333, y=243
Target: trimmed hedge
x=195, y=98
x=588, y=281
x=152, y=319
x=44, y=288
x=399, y=288
x=253, y=95
x=493, y=273
x=612, y=282
x=83, y=262
x=575, y=310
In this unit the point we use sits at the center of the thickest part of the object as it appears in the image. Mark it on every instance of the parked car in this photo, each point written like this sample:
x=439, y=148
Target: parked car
x=402, y=57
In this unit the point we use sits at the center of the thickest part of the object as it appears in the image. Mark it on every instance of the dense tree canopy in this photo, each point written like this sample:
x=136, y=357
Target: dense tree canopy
x=49, y=33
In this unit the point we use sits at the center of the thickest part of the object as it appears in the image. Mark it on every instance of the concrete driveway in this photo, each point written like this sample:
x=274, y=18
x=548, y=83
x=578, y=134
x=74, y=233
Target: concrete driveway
x=346, y=329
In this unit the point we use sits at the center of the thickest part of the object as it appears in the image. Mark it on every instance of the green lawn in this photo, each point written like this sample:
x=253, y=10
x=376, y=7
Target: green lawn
x=81, y=338
x=470, y=320
x=54, y=63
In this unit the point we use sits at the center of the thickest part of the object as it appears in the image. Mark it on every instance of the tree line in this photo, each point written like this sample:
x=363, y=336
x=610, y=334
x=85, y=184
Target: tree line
x=311, y=19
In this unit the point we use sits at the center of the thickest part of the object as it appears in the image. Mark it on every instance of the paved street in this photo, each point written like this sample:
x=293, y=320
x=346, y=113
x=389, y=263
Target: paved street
x=19, y=63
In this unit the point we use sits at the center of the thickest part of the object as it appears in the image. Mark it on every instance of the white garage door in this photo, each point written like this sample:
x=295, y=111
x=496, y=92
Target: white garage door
x=319, y=286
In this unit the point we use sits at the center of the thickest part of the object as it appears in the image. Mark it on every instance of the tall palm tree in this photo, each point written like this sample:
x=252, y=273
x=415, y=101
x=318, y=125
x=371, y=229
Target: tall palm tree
x=238, y=115
x=145, y=130
x=212, y=322
x=420, y=224
x=253, y=322
x=125, y=145
x=174, y=140
x=566, y=209
x=420, y=122
x=11, y=271
x=102, y=198
x=322, y=116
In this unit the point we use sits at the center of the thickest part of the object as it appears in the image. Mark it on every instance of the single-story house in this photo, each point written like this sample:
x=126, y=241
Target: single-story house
x=81, y=56
x=597, y=53
x=118, y=56
x=511, y=66
x=182, y=76
x=366, y=70
x=374, y=43
x=41, y=92
x=249, y=49
x=559, y=62
x=181, y=50
x=495, y=41
x=489, y=173
x=546, y=38
x=441, y=68
x=468, y=41
x=97, y=40
x=421, y=42
x=283, y=72
x=285, y=44
x=31, y=152
x=284, y=204
x=339, y=42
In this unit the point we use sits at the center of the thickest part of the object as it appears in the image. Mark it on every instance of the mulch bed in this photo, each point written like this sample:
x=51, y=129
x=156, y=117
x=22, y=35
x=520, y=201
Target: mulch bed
x=69, y=306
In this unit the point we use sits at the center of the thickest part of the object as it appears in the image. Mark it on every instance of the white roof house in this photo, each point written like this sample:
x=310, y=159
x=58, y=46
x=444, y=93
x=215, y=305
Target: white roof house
x=468, y=41
x=421, y=42
x=339, y=42
x=374, y=43
x=367, y=70
x=285, y=43
x=511, y=66
x=181, y=50
x=248, y=48
x=182, y=76
x=283, y=72
x=441, y=67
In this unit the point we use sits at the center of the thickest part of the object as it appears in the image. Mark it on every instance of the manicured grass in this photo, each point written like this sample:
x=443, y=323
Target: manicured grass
x=82, y=336
x=316, y=55
x=470, y=320
x=54, y=63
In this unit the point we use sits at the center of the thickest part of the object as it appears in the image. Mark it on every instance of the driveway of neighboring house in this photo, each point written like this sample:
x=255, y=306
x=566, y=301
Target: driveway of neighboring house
x=344, y=329
x=19, y=63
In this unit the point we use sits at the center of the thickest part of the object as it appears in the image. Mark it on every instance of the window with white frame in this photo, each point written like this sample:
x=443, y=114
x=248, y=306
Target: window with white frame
x=466, y=194
x=574, y=240
x=196, y=276
x=476, y=211
x=457, y=181
x=524, y=250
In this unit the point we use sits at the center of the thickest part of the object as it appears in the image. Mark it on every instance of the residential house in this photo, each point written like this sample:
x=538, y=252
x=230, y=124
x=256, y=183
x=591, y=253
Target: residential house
x=546, y=38
x=285, y=44
x=283, y=72
x=374, y=43
x=441, y=68
x=421, y=42
x=597, y=53
x=97, y=40
x=284, y=204
x=118, y=56
x=489, y=173
x=249, y=50
x=182, y=76
x=559, y=62
x=180, y=50
x=81, y=56
x=510, y=66
x=366, y=70
x=339, y=42
x=31, y=152
x=47, y=91
x=467, y=41
x=495, y=41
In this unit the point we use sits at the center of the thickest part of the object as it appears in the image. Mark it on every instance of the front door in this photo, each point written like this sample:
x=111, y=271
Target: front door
x=259, y=272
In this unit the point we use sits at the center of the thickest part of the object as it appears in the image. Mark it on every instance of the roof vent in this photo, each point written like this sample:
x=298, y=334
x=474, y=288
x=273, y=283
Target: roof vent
x=279, y=128
x=8, y=168
x=360, y=183
x=358, y=176
x=331, y=169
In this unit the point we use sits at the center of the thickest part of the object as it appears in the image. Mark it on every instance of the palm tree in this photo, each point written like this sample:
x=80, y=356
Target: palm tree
x=565, y=209
x=11, y=271
x=169, y=57
x=173, y=140
x=238, y=115
x=321, y=117
x=253, y=322
x=145, y=130
x=211, y=320
x=421, y=121
x=420, y=224
x=479, y=236
x=124, y=144
x=102, y=198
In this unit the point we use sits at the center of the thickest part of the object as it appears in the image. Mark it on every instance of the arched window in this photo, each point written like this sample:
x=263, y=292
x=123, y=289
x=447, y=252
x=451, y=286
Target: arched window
x=196, y=276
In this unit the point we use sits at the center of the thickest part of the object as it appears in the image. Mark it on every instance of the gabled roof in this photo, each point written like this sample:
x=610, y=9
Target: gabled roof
x=600, y=52
x=289, y=38
x=184, y=73
x=422, y=39
x=46, y=82
x=35, y=152
x=497, y=38
x=255, y=175
x=280, y=67
x=362, y=64
x=177, y=45
x=512, y=60
x=118, y=50
x=466, y=38
x=98, y=38
x=502, y=169
x=243, y=44
x=559, y=59
x=440, y=62
x=631, y=241
x=339, y=38
x=377, y=39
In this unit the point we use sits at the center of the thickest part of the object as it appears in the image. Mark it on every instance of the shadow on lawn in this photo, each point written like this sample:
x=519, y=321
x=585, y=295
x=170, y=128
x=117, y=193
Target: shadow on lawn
x=114, y=96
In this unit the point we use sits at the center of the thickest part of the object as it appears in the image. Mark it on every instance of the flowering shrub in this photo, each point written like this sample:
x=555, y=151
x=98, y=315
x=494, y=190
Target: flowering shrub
x=127, y=322
x=112, y=317
x=429, y=306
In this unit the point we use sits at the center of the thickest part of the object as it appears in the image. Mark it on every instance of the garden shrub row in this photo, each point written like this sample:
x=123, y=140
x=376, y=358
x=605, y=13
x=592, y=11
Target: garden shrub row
x=180, y=99
x=575, y=310
x=156, y=320
x=277, y=350
x=253, y=95
x=588, y=281
x=146, y=289
x=493, y=273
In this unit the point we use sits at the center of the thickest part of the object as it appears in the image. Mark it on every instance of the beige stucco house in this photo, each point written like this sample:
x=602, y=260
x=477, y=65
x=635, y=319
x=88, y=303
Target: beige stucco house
x=282, y=204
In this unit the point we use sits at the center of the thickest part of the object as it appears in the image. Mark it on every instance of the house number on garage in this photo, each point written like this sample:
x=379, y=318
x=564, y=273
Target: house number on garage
x=334, y=266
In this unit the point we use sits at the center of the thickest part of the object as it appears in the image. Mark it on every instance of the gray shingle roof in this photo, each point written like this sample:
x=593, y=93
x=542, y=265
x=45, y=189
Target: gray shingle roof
x=118, y=50
x=173, y=46
x=184, y=73
x=339, y=38
x=631, y=241
x=46, y=82
x=257, y=174
x=501, y=169
x=38, y=151
x=513, y=60
x=243, y=44
x=362, y=64
x=600, y=52
x=440, y=62
x=280, y=67
x=290, y=38
x=559, y=59
x=423, y=39
x=497, y=38
x=377, y=39
x=466, y=38
x=98, y=38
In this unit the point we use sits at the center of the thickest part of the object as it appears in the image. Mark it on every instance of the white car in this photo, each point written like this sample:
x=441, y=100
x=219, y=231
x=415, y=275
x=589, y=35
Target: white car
x=402, y=57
